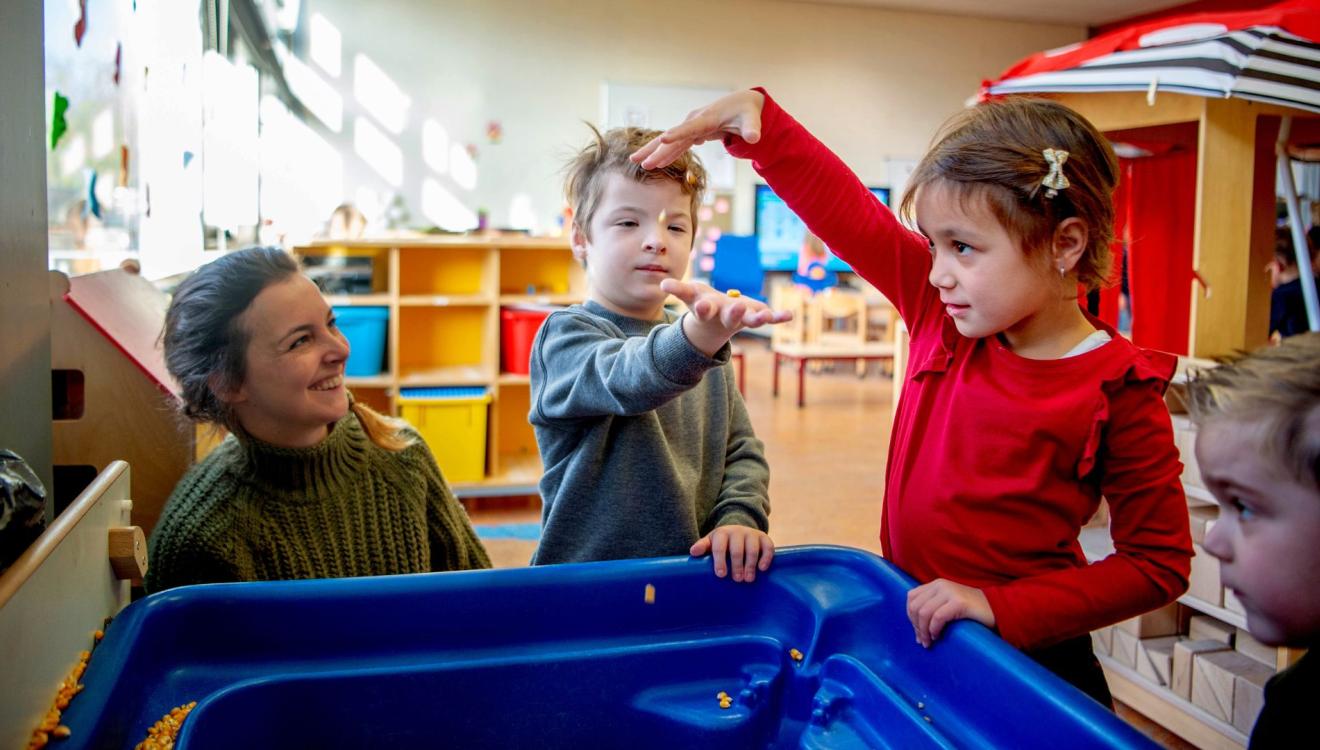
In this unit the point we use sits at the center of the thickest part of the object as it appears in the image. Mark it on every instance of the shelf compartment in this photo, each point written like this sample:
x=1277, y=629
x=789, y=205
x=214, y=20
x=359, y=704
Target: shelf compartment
x=380, y=269
x=442, y=342
x=1170, y=711
x=446, y=271
x=536, y=272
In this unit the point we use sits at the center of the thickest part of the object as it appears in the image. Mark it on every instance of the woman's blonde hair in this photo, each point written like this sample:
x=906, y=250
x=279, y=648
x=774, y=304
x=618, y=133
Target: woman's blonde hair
x=1277, y=387
x=389, y=433
x=996, y=152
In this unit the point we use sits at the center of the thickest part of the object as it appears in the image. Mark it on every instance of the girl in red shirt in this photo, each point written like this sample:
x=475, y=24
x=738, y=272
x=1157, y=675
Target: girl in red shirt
x=1019, y=410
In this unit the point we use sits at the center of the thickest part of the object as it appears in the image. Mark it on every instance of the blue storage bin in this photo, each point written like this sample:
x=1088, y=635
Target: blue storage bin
x=364, y=327
x=817, y=653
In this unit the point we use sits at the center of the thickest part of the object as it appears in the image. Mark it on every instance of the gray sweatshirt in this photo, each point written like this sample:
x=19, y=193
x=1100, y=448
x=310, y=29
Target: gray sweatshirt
x=646, y=441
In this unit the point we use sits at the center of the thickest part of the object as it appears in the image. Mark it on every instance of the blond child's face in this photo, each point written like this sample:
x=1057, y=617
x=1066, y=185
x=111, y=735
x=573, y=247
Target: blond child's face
x=641, y=235
x=1267, y=537
x=987, y=283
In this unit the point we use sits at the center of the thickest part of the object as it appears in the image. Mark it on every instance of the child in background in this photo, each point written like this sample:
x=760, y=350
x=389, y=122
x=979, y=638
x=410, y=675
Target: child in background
x=1019, y=410
x=647, y=446
x=1258, y=445
x=301, y=488
x=812, y=276
x=1287, y=303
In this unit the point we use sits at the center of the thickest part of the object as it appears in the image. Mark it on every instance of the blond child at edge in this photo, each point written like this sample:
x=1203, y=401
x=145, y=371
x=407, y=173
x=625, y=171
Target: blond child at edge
x=1019, y=411
x=646, y=442
x=1258, y=445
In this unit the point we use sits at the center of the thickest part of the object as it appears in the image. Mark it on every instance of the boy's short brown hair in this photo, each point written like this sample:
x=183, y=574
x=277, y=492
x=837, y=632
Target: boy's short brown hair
x=1277, y=386
x=608, y=153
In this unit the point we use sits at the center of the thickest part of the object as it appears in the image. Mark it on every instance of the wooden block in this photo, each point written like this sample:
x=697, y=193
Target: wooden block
x=128, y=553
x=1124, y=648
x=1166, y=620
x=1249, y=695
x=1207, y=628
x=1183, y=654
x=1155, y=659
x=1204, y=584
x=1245, y=644
x=1232, y=603
x=1102, y=640
x=1201, y=515
x=1213, y=675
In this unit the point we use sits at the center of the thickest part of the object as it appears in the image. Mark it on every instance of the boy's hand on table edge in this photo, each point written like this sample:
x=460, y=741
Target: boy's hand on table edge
x=748, y=549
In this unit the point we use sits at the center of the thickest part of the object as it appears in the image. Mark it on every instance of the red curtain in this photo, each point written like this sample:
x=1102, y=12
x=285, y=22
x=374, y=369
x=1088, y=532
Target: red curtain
x=1156, y=215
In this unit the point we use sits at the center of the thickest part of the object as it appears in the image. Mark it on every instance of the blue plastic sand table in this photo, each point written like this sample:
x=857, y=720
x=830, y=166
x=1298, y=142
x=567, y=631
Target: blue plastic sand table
x=817, y=653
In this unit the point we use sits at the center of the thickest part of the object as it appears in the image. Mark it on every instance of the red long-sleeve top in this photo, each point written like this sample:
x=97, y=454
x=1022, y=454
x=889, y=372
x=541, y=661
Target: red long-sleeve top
x=997, y=461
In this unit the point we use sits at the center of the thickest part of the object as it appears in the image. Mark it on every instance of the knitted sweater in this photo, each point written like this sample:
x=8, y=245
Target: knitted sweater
x=345, y=507
x=646, y=442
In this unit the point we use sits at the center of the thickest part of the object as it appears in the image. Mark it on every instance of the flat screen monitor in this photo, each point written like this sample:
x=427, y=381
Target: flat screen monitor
x=779, y=231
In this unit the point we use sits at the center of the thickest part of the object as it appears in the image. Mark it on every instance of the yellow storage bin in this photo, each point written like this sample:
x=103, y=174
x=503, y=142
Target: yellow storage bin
x=452, y=421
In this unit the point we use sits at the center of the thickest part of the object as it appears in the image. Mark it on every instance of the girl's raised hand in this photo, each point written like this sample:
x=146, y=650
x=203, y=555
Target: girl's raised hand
x=932, y=606
x=738, y=113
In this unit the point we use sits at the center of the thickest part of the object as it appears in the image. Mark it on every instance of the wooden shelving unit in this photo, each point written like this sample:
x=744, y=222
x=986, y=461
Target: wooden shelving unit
x=444, y=297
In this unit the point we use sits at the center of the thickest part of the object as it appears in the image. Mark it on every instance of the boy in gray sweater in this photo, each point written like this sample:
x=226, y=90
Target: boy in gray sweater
x=647, y=446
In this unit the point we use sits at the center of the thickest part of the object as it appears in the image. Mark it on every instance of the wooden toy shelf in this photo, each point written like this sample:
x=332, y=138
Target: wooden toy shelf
x=444, y=297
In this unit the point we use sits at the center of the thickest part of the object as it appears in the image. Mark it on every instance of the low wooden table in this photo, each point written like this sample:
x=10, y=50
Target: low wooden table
x=804, y=353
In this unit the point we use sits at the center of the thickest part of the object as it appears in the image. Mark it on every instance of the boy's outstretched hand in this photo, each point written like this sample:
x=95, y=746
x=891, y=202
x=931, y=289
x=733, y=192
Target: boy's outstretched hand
x=738, y=113
x=748, y=550
x=932, y=606
x=717, y=316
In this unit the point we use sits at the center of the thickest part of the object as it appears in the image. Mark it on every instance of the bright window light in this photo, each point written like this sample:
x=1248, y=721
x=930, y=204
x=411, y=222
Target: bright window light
x=448, y=212
x=73, y=154
x=302, y=176
x=103, y=134
x=379, y=94
x=462, y=168
x=229, y=130
x=319, y=97
x=378, y=151
x=435, y=146
x=325, y=45
x=521, y=215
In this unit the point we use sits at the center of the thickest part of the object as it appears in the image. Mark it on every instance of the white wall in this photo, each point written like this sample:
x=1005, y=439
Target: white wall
x=873, y=84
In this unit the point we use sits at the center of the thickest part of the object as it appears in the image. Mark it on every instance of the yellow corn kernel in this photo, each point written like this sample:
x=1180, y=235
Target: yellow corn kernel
x=795, y=654
x=61, y=731
x=649, y=595
x=734, y=293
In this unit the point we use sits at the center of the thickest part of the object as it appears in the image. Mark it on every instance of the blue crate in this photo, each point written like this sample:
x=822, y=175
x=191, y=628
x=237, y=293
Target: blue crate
x=572, y=656
x=364, y=327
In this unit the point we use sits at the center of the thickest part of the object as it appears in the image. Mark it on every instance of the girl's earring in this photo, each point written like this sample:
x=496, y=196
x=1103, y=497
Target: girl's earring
x=1061, y=272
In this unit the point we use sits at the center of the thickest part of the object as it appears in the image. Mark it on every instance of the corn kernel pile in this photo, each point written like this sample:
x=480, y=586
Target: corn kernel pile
x=160, y=736
x=50, y=725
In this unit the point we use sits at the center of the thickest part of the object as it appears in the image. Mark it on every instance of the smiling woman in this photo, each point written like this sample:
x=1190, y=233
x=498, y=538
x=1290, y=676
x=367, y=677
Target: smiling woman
x=302, y=488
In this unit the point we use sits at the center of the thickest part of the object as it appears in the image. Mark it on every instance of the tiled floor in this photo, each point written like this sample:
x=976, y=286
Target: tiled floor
x=827, y=463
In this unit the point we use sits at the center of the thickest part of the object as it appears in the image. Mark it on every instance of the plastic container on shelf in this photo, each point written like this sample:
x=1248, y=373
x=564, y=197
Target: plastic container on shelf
x=364, y=327
x=452, y=421
x=518, y=327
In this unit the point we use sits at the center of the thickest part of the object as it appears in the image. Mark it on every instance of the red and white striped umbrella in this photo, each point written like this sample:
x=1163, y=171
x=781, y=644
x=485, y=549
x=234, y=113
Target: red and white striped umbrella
x=1265, y=55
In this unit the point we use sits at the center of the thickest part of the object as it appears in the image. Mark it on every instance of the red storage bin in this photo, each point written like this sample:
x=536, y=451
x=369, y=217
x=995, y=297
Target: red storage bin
x=518, y=327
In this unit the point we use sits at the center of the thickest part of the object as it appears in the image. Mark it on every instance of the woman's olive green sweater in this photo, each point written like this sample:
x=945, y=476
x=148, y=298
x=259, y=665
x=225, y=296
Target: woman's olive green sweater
x=345, y=507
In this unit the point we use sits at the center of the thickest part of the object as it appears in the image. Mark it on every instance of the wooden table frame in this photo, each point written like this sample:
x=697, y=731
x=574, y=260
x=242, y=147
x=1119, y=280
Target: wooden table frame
x=802, y=354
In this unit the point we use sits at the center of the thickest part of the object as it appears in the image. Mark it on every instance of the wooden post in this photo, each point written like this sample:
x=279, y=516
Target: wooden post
x=1230, y=283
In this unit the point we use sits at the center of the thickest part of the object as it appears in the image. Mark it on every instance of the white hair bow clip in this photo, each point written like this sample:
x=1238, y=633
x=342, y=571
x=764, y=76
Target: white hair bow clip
x=1055, y=181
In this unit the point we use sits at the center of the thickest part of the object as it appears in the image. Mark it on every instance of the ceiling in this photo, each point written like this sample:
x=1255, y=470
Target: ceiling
x=1077, y=12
